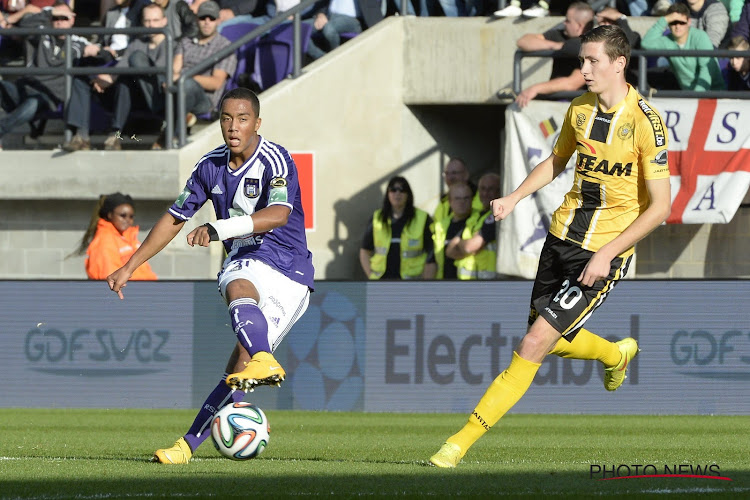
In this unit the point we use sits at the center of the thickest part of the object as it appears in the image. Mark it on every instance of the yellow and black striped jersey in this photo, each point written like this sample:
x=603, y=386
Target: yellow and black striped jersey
x=618, y=149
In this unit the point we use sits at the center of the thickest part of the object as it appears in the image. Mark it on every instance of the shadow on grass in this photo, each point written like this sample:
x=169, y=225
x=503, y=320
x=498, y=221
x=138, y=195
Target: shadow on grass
x=240, y=481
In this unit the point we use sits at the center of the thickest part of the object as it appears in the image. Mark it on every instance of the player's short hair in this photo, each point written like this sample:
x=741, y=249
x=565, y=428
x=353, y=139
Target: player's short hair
x=738, y=43
x=616, y=44
x=245, y=95
x=679, y=8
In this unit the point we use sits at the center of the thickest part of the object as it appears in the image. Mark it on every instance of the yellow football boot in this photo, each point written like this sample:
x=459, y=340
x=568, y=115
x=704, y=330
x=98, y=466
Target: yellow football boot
x=262, y=369
x=448, y=456
x=615, y=375
x=179, y=453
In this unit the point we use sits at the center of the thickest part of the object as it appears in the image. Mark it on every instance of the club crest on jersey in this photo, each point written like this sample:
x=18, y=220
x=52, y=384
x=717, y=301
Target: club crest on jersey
x=625, y=131
x=252, y=187
x=580, y=119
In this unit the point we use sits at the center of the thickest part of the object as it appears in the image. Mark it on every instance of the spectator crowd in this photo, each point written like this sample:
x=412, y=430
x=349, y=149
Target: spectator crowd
x=458, y=241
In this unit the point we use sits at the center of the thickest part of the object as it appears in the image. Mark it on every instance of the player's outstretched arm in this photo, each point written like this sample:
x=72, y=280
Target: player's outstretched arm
x=657, y=212
x=162, y=233
x=543, y=174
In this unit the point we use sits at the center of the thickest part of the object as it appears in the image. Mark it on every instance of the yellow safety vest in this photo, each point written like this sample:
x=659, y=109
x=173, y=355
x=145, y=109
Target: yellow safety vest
x=482, y=265
x=444, y=207
x=439, y=235
x=412, y=253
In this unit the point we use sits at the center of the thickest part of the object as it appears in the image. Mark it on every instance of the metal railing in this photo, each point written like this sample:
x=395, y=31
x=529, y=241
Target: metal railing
x=642, y=57
x=69, y=71
x=179, y=85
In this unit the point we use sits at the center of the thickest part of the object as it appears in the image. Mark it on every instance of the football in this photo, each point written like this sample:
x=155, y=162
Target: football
x=240, y=431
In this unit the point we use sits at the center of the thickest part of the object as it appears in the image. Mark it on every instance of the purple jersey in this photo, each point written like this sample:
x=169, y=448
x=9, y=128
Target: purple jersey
x=269, y=177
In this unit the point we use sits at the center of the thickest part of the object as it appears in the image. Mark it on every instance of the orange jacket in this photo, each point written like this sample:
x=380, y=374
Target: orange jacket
x=110, y=250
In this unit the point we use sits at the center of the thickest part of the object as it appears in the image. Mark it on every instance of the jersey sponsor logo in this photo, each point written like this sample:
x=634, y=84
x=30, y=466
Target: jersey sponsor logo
x=661, y=157
x=603, y=119
x=593, y=164
x=625, y=131
x=183, y=196
x=278, y=182
x=658, y=127
x=252, y=187
x=587, y=146
x=580, y=119
x=217, y=190
x=252, y=240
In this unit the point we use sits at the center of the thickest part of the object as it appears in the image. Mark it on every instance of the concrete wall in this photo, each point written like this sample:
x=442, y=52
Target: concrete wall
x=399, y=99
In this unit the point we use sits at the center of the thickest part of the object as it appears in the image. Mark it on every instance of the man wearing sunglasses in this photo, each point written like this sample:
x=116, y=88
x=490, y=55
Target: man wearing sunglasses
x=687, y=73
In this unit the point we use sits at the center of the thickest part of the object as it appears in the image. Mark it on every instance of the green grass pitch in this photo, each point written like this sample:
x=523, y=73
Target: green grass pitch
x=101, y=454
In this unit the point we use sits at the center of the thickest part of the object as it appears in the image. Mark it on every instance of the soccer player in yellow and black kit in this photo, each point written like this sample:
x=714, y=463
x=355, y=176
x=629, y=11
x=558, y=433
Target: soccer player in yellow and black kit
x=620, y=194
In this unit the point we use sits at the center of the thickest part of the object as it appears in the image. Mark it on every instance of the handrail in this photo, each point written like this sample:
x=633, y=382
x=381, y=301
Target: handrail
x=179, y=85
x=643, y=86
x=69, y=71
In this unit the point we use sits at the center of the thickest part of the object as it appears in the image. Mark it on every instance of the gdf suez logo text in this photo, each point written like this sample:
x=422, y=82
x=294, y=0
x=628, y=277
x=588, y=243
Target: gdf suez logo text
x=55, y=346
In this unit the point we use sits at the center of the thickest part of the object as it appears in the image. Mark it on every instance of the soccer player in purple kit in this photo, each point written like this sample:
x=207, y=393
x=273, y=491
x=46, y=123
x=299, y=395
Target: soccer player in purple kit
x=267, y=276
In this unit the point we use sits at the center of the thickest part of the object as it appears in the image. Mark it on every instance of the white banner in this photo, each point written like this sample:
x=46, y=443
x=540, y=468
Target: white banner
x=709, y=159
x=529, y=137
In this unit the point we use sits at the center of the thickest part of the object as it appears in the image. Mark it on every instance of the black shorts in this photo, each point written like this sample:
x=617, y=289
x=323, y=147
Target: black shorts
x=558, y=296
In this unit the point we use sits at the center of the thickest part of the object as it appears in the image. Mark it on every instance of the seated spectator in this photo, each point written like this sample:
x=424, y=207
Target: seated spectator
x=111, y=239
x=742, y=26
x=444, y=230
x=121, y=94
x=29, y=96
x=255, y=11
x=181, y=20
x=230, y=9
x=475, y=249
x=687, y=73
x=117, y=17
x=739, y=67
x=20, y=13
x=202, y=92
x=710, y=16
x=455, y=171
x=398, y=243
x=340, y=16
x=566, y=74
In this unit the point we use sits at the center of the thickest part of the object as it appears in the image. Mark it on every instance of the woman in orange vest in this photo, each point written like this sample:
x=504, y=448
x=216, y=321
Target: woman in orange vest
x=111, y=239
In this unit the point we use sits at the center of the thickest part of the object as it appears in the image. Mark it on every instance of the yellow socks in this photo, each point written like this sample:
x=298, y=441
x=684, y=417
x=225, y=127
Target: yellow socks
x=501, y=395
x=587, y=345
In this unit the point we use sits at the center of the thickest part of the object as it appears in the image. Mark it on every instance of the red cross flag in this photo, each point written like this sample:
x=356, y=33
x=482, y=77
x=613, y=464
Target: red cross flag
x=709, y=157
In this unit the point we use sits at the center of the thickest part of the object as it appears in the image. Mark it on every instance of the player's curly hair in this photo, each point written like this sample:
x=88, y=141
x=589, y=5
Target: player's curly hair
x=106, y=204
x=386, y=211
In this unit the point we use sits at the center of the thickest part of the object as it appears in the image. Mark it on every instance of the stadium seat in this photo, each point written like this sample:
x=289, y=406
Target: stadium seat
x=274, y=55
x=245, y=53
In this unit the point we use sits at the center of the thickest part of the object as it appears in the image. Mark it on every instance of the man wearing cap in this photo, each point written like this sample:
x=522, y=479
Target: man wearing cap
x=204, y=91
